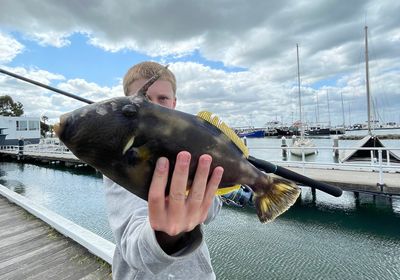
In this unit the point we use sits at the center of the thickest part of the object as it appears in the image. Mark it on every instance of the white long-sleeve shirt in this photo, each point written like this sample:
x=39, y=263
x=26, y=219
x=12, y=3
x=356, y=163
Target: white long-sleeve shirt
x=138, y=254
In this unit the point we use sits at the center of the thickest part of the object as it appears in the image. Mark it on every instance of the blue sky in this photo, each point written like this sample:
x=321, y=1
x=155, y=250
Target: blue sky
x=94, y=64
x=239, y=63
x=78, y=60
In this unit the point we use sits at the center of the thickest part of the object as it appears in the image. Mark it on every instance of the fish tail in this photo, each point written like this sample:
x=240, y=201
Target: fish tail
x=273, y=196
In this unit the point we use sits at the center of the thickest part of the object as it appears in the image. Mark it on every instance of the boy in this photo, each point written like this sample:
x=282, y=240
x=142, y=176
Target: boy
x=162, y=238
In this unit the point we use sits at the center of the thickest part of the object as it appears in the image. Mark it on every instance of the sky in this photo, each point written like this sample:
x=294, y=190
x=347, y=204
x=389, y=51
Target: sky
x=236, y=59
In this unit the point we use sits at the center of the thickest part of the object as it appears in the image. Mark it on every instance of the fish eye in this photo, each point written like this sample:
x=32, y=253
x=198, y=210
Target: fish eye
x=129, y=110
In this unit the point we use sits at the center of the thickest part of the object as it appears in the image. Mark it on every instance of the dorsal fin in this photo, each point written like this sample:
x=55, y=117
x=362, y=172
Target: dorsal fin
x=215, y=121
x=143, y=90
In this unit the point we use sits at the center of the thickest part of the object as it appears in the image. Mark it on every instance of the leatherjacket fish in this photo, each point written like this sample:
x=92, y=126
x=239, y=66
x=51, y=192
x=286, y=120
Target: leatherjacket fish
x=123, y=137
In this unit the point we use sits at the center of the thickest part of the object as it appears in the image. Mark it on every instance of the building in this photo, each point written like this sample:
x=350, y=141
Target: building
x=13, y=129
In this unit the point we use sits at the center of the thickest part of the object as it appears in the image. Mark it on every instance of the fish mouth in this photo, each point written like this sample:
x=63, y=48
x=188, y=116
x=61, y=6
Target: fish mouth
x=59, y=127
x=128, y=145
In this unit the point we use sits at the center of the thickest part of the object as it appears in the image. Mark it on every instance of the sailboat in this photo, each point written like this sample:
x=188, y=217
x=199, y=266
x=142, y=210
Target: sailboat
x=302, y=146
x=370, y=140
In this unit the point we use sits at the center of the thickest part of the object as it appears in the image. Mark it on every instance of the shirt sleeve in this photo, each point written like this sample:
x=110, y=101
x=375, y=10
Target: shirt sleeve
x=136, y=240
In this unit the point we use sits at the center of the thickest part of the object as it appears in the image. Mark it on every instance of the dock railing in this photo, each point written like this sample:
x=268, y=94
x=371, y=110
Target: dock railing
x=37, y=148
x=379, y=160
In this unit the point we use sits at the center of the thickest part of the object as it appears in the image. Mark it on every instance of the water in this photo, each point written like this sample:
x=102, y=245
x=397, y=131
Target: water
x=259, y=146
x=320, y=237
x=323, y=239
x=73, y=193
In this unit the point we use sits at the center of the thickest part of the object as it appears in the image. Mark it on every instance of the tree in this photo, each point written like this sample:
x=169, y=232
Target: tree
x=45, y=118
x=10, y=108
x=43, y=126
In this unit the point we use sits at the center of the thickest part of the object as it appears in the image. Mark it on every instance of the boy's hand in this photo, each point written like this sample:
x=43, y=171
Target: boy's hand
x=177, y=213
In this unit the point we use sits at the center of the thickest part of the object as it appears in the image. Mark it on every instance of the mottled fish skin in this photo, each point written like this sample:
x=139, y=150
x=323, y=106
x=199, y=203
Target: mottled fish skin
x=98, y=132
x=123, y=138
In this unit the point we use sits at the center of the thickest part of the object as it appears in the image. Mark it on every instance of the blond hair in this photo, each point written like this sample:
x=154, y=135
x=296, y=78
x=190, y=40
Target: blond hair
x=146, y=70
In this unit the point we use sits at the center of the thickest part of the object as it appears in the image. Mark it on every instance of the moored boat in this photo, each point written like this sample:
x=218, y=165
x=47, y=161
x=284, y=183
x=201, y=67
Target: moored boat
x=258, y=133
x=301, y=146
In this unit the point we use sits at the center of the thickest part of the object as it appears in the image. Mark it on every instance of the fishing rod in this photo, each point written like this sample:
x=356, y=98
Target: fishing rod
x=46, y=86
x=269, y=167
x=263, y=165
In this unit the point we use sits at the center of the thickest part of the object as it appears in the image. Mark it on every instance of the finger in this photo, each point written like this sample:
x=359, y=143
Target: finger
x=198, y=187
x=156, y=198
x=212, y=187
x=176, y=211
x=177, y=192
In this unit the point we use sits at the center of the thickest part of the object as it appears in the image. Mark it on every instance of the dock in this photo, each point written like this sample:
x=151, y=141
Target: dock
x=41, y=153
x=355, y=181
x=31, y=249
x=378, y=177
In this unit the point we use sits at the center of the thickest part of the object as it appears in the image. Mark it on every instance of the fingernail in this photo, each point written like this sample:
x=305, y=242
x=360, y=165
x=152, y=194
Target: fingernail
x=206, y=158
x=184, y=158
x=220, y=171
x=162, y=163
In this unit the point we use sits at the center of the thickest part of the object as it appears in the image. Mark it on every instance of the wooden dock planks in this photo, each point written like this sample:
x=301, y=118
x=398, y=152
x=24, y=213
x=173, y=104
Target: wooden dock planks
x=30, y=249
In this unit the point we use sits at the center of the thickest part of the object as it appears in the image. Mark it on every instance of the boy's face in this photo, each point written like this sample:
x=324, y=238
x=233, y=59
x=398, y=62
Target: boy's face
x=160, y=92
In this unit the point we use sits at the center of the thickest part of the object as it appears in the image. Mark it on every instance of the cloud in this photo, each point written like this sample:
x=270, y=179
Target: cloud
x=259, y=37
x=9, y=48
x=51, y=38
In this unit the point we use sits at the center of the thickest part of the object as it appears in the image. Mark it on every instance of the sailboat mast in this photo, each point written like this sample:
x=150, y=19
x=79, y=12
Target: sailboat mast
x=344, y=121
x=298, y=84
x=367, y=80
x=329, y=109
x=317, y=107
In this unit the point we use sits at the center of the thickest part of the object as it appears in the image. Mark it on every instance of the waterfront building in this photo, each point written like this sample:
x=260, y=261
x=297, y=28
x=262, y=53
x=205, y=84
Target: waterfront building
x=13, y=129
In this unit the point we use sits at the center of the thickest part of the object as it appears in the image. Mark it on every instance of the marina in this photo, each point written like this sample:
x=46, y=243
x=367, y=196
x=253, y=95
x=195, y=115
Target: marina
x=332, y=233
x=356, y=234
x=365, y=217
x=306, y=91
x=326, y=163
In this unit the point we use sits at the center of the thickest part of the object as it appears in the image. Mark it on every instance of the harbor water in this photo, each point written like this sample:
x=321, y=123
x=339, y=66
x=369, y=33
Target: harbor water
x=356, y=236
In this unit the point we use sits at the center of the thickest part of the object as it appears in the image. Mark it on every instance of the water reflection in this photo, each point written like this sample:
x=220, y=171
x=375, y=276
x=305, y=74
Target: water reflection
x=15, y=186
x=364, y=213
x=75, y=193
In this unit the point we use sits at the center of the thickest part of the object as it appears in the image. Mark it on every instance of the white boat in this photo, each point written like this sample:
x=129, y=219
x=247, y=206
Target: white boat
x=301, y=146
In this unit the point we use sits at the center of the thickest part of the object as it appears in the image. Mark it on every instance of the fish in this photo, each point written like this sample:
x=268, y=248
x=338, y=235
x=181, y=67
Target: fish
x=123, y=137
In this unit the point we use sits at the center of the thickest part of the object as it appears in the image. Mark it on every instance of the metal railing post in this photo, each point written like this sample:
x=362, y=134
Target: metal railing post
x=372, y=157
x=381, y=183
x=388, y=157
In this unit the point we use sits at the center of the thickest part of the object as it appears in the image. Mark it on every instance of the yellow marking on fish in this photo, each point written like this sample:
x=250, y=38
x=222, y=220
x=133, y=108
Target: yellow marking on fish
x=281, y=187
x=226, y=190
x=220, y=191
x=277, y=198
x=225, y=129
x=144, y=154
x=265, y=204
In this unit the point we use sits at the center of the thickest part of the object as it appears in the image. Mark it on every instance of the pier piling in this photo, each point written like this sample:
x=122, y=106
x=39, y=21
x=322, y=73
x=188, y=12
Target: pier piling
x=284, y=147
x=336, y=146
